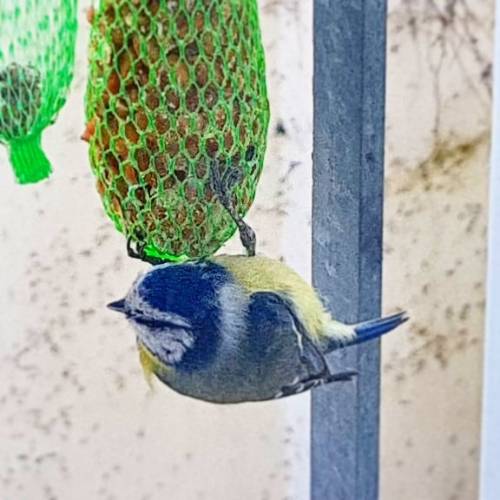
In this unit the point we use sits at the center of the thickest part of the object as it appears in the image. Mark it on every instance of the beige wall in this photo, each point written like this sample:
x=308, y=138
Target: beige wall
x=438, y=110
x=77, y=420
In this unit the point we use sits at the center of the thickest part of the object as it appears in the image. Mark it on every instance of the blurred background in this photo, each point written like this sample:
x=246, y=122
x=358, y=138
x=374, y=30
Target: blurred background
x=77, y=419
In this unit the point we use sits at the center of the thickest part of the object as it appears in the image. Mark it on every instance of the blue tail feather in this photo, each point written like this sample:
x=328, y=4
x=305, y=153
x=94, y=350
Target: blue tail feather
x=368, y=330
x=375, y=328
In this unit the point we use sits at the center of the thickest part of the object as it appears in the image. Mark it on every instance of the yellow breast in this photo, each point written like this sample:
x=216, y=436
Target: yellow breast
x=151, y=365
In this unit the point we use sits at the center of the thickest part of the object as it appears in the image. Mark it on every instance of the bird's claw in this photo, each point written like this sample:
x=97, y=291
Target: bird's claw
x=339, y=377
x=315, y=381
x=139, y=252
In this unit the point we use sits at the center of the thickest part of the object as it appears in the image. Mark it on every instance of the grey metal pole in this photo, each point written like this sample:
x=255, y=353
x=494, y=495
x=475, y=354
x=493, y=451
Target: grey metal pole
x=349, y=95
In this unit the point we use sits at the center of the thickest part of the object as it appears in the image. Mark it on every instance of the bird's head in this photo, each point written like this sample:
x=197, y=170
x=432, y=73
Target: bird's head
x=175, y=310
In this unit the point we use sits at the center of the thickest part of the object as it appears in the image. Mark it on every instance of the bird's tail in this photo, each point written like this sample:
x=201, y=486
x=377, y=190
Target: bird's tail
x=367, y=330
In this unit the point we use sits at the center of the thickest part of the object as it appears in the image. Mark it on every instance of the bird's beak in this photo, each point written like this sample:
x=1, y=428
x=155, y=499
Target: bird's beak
x=117, y=305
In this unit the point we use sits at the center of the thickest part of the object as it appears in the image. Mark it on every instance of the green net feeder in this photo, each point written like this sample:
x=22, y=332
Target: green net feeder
x=37, y=46
x=176, y=88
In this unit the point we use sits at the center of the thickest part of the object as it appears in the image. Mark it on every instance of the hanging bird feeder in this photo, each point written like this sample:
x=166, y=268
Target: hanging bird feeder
x=37, y=45
x=176, y=90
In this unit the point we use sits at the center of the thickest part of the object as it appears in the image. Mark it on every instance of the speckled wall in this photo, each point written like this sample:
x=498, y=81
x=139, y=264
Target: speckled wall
x=77, y=419
x=438, y=109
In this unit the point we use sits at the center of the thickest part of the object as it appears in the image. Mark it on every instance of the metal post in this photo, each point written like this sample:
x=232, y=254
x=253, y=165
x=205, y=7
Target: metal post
x=349, y=94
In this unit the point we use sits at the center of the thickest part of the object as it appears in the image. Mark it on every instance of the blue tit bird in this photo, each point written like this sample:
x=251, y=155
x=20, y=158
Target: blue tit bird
x=235, y=329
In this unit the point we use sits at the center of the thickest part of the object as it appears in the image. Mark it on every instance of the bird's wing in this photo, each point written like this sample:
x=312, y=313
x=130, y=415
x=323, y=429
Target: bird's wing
x=268, y=308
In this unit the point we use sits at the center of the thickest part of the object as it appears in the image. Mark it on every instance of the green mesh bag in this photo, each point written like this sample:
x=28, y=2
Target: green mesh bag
x=176, y=89
x=37, y=45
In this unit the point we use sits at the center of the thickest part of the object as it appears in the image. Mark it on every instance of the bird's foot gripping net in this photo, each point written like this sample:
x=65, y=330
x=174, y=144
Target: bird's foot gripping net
x=139, y=252
x=222, y=184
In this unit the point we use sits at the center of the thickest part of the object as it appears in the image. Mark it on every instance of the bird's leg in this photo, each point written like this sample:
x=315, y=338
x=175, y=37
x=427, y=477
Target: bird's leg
x=222, y=186
x=139, y=252
x=324, y=376
x=314, y=381
x=247, y=237
x=312, y=357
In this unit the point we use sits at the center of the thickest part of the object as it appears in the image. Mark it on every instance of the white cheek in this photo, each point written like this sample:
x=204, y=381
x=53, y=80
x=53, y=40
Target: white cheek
x=182, y=336
x=169, y=345
x=142, y=330
x=176, y=342
x=176, y=352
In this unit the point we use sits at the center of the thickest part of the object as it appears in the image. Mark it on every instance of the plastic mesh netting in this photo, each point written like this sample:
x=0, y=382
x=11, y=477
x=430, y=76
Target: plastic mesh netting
x=176, y=87
x=37, y=45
